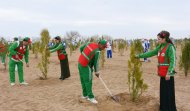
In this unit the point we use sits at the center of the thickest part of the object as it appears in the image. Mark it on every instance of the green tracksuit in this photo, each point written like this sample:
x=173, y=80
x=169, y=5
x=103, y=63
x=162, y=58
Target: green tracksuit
x=56, y=47
x=13, y=63
x=86, y=73
x=2, y=54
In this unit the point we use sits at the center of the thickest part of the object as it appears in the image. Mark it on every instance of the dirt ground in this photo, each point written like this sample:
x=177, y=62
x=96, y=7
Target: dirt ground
x=55, y=95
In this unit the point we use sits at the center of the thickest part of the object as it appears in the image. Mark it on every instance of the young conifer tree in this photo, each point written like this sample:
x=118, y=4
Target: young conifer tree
x=126, y=45
x=45, y=54
x=36, y=48
x=151, y=44
x=102, y=58
x=71, y=47
x=184, y=62
x=113, y=46
x=121, y=47
x=135, y=81
x=32, y=48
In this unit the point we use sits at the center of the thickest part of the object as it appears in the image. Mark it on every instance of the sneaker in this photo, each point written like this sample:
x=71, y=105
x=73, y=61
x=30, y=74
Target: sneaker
x=145, y=60
x=92, y=100
x=12, y=84
x=23, y=83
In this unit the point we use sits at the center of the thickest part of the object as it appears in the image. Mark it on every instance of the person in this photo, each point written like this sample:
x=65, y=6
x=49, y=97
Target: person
x=109, y=50
x=16, y=52
x=166, y=63
x=145, y=47
x=148, y=44
x=15, y=39
x=62, y=55
x=2, y=54
x=88, y=59
x=50, y=44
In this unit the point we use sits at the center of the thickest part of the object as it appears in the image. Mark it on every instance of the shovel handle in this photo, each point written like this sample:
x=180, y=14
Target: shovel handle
x=105, y=86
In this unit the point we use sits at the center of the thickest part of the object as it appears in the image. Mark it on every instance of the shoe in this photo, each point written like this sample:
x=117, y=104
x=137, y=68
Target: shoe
x=12, y=84
x=145, y=60
x=67, y=76
x=84, y=97
x=23, y=83
x=93, y=100
x=61, y=78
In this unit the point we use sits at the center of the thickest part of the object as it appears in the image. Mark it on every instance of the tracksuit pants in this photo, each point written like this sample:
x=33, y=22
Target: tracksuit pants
x=86, y=80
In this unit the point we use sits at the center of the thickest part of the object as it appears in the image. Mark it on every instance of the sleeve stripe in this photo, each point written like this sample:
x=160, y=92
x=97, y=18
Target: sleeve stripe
x=174, y=52
x=97, y=64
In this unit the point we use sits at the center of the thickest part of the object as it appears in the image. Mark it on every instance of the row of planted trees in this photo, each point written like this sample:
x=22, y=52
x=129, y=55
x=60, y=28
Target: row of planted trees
x=135, y=82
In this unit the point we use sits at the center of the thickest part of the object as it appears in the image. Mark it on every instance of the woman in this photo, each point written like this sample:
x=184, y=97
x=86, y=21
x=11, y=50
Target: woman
x=62, y=55
x=166, y=63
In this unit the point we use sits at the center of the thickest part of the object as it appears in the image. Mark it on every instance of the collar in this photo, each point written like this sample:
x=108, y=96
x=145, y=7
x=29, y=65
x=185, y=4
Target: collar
x=164, y=44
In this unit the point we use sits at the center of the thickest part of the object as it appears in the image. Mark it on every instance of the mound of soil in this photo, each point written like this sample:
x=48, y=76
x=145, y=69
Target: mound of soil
x=145, y=103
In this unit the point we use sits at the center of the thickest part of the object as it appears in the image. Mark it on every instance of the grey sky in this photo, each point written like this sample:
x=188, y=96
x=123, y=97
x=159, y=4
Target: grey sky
x=117, y=18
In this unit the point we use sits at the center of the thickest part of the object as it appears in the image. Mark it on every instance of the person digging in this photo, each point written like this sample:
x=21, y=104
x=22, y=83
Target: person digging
x=88, y=59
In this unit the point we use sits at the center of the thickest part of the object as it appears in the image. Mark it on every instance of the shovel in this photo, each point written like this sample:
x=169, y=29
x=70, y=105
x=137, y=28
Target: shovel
x=112, y=96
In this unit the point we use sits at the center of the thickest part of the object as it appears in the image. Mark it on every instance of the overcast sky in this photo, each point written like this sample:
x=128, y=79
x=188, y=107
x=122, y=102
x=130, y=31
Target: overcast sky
x=117, y=18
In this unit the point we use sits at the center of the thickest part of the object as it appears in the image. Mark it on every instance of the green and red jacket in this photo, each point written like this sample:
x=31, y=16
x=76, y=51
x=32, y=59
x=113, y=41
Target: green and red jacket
x=17, y=48
x=61, y=53
x=169, y=57
x=90, y=55
x=2, y=47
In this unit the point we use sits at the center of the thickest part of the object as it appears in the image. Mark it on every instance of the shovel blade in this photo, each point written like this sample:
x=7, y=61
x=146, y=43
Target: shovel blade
x=115, y=98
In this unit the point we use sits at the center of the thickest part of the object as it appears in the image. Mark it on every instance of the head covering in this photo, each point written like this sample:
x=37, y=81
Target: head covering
x=58, y=38
x=103, y=42
x=27, y=39
x=15, y=38
x=164, y=34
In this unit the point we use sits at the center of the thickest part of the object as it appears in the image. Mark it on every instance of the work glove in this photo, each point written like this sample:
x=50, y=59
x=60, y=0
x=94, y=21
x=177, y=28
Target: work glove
x=97, y=74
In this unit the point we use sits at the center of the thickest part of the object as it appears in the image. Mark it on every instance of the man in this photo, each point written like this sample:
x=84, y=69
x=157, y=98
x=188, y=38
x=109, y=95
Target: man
x=88, y=59
x=16, y=52
x=15, y=39
x=62, y=55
